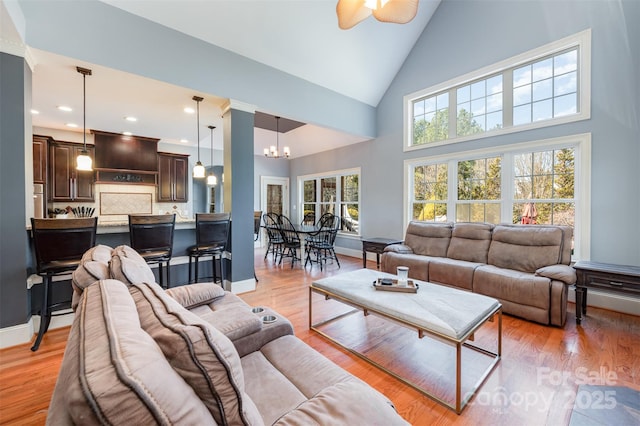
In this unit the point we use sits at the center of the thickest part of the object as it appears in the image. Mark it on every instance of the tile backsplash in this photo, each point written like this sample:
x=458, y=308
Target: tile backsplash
x=113, y=203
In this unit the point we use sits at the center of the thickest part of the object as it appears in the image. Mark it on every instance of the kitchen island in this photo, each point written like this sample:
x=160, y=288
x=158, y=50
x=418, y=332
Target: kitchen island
x=113, y=234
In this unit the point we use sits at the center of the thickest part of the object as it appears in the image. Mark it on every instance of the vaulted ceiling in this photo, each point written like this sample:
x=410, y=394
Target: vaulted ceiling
x=298, y=37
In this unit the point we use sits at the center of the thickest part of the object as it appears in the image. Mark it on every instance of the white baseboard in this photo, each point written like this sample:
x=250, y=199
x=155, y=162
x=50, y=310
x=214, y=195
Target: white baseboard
x=24, y=333
x=611, y=301
x=16, y=335
x=238, y=287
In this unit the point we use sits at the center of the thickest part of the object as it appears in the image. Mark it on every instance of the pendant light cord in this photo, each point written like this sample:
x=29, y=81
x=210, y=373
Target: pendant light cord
x=84, y=111
x=198, y=131
x=277, y=136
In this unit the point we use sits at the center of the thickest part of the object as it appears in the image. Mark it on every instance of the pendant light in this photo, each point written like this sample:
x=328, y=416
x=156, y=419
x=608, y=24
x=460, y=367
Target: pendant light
x=198, y=170
x=212, y=180
x=274, y=151
x=83, y=161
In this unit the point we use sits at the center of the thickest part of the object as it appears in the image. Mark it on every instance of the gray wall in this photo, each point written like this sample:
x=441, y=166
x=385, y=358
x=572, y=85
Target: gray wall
x=15, y=96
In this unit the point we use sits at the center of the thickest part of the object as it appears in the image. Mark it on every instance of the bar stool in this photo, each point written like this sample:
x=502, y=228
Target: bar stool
x=152, y=237
x=212, y=234
x=59, y=245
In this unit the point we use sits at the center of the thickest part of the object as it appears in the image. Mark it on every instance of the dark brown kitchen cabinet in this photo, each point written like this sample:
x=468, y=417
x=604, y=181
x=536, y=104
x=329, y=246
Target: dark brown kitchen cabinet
x=40, y=144
x=173, y=177
x=65, y=182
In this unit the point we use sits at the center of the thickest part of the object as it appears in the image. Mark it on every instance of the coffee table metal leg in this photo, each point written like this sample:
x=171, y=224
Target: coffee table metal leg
x=460, y=403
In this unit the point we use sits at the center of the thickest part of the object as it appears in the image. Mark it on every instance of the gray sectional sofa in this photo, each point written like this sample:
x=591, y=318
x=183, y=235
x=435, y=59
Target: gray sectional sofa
x=193, y=355
x=525, y=267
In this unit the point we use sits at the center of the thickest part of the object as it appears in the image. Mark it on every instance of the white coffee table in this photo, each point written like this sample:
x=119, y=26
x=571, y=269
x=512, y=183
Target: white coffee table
x=429, y=311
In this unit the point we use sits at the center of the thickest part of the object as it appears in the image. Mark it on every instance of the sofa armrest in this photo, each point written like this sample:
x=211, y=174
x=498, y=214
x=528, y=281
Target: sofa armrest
x=564, y=273
x=192, y=295
x=398, y=248
x=347, y=402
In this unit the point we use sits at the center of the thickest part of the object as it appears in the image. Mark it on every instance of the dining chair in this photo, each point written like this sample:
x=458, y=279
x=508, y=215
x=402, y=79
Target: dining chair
x=291, y=242
x=322, y=242
x=309, y=219
x=257, y=217
x=275, y=241
x=152, y=237
x=59, y=245
x=212, y=234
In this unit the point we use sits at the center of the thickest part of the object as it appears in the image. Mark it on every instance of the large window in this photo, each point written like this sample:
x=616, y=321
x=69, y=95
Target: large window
x=543, y=87
x=546, y=89
x=539, y=182
x=335, y=192
x=479, y=190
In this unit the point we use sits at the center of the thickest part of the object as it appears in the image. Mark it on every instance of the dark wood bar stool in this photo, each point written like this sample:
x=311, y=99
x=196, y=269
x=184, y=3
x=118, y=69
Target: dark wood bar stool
x=152, y=237
x=212, y=234
x=59, y=245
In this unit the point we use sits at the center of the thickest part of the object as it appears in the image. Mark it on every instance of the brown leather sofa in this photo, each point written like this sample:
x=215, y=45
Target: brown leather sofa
x=525, y=267
x=138, y=354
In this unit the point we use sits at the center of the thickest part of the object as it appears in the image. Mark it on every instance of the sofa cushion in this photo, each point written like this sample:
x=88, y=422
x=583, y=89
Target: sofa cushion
x=234, y=321
x=514, y=286
x=428, y=238
x=94, y=266
x=525, y=248
x=129, y=267
x=114, y=373
x=418, y=264
x=98, y=253
x=286, y=372
x=202, y=355
x=194, y=295
x=453, y=272
x=470, y=242
x=340, y=404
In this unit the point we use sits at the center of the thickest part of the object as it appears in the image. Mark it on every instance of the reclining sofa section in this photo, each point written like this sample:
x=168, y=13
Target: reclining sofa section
x=192, y=355
x=526, y=267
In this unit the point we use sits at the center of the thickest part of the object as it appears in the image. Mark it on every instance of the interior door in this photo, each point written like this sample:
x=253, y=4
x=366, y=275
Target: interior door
x=274, y=196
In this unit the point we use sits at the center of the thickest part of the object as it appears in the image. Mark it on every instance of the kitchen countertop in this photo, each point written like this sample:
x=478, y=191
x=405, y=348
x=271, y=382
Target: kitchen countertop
x=117, y=227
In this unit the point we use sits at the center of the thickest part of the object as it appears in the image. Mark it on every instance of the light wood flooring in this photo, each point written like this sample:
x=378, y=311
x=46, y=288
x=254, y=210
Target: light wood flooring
x=535, y=383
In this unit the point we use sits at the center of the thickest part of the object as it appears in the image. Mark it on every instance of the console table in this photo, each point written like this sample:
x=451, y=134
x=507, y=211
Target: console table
x=606, y=277
x=375, y=245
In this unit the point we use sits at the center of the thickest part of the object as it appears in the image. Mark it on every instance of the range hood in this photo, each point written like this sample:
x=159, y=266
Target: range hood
x=125, y=159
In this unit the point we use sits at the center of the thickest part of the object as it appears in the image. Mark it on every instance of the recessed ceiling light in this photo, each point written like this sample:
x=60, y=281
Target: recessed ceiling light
x=129, y=118
x=64, y=108
x=71, y=125
x=184, y=141
x=189, y=110
x=35, y=112
x=127, y=133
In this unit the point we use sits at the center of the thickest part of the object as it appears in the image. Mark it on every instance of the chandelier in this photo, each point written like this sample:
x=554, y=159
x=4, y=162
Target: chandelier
x=274, y=150
x=351, y=12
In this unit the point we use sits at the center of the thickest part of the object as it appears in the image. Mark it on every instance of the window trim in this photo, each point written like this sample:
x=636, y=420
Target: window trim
x=332, y=174
x=582, y=144
x=582, y=40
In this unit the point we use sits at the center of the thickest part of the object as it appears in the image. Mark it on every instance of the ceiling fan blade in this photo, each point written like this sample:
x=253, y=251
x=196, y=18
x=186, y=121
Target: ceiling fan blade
x=397, y=11
x=351, y=12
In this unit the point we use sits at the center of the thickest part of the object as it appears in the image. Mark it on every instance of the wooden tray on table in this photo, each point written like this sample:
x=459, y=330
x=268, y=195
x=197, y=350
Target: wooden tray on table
x=411, y=287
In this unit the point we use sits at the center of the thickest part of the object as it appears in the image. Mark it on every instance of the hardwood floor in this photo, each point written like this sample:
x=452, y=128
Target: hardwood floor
x=535, y=383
